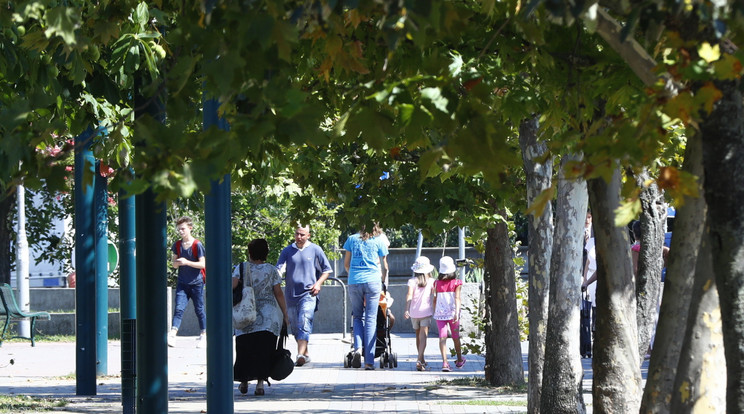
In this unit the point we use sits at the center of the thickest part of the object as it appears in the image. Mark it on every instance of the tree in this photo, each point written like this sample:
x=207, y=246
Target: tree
x=563, y=374
x=539, y=178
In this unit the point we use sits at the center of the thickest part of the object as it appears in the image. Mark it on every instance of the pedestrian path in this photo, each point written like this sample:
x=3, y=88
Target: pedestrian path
x=321, y=386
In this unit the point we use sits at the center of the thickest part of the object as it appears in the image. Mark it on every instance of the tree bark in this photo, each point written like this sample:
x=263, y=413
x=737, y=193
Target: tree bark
x=7, y=201
x=650, y=261
x=699, y=385
x=723, y=159
x=540, y=227
x=617, y=376
x=563, y=372
x=503, y=348
x=683, y=253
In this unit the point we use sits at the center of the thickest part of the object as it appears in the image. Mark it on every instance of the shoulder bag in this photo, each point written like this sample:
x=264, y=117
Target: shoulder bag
x=283, y=364
x=244, y=313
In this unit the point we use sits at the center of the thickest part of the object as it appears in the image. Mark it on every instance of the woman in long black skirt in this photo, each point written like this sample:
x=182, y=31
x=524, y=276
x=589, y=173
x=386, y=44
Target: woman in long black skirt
x=255, y=344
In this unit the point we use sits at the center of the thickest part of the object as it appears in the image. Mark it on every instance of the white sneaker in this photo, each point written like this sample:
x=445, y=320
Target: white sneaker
x=172, y=338
x=201, y=342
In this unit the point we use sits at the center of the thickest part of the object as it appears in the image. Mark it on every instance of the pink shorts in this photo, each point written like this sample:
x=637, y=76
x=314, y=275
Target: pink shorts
x=454, y=328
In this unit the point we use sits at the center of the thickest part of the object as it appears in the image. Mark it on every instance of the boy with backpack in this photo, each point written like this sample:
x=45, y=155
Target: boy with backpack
x=189, y=259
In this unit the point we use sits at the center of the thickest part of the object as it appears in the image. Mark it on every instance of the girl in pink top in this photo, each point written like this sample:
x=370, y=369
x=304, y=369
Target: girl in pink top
x=447, y=310
x=418, y=305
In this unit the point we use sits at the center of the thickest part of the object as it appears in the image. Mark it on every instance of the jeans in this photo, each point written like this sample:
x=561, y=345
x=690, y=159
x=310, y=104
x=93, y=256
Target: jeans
x=365, y=298
x=184, y=292
x=301, y=317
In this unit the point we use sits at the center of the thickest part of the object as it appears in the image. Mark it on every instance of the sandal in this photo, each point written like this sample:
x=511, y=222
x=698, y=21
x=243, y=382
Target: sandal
x=446, y=367
x=243, y=387
x=460, y=362
x=369, y=367
x=420, y=366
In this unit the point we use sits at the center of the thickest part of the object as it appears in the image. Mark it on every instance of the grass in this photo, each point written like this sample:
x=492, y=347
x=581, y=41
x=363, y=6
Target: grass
x=54, y=338
x=25, y=403
x=482, y=383
x=505, y=403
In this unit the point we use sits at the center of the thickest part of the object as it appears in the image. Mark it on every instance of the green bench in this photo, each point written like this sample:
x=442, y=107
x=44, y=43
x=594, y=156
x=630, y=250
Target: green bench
x=10, y=310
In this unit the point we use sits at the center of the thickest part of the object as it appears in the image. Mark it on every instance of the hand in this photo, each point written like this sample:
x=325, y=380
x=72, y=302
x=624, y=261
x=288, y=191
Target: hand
x=407, y=315
x=315, y=289
x=180, y=262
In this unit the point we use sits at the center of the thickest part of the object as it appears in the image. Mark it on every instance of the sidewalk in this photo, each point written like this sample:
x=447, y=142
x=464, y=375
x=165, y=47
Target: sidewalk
x=321, y=386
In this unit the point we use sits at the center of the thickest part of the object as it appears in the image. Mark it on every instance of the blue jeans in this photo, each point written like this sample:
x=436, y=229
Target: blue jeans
x=301, y=317
x=365, y=298
x=184, y=292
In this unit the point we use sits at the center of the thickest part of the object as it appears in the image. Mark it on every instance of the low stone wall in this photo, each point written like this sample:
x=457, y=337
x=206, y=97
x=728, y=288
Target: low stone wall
x=334, y=313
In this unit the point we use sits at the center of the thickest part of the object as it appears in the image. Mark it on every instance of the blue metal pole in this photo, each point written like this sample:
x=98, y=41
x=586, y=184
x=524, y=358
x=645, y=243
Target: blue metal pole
x=152, y=283
x=85, y=288
x=127, y=299
x=152, y=324
x=219, y=297
x=100, y=203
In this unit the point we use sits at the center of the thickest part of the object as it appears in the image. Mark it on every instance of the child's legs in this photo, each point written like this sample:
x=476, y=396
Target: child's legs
x=422, y=335
x=442, y=325
x=196, y=294
x=455, y=330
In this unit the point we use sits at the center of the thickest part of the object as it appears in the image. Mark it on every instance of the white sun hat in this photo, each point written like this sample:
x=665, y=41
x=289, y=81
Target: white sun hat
x=447, y=265
x=422, y=265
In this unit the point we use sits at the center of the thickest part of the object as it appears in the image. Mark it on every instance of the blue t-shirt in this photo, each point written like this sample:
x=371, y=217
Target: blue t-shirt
x=187, y=274
x=304, y=267
x=364, y=266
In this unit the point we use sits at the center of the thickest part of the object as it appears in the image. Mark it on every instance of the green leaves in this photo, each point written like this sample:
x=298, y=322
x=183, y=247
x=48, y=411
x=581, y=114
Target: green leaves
x=62, y=21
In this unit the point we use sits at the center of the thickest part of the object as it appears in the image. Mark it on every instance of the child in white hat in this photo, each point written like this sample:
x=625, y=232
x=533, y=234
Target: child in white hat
x=418, y=305
x=447, y=310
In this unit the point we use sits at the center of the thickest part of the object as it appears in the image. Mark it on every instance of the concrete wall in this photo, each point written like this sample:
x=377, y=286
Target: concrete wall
x=329, y=319
x=401, y=259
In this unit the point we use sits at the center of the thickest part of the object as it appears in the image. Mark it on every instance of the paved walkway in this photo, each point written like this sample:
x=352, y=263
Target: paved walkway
x=321, y=386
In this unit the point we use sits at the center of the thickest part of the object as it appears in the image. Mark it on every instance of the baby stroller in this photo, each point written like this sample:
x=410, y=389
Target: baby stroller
x=383, y=345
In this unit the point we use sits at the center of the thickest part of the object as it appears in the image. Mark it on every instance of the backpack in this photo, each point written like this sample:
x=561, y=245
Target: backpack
x=195, y=252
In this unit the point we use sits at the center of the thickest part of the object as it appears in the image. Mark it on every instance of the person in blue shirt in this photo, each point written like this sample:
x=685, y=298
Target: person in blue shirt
x=188, y=257
x=307, y=267
x=365, y=261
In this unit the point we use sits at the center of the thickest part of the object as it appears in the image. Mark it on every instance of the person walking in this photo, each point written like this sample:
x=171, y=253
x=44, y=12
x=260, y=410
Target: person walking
x=365, y=262
x=447, y=310
x=255, y=343
x=307, y=267
x=189, y=259
x=419, y=305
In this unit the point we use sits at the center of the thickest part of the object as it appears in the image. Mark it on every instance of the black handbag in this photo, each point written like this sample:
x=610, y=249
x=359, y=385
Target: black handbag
x=238, y=291
x=283, y=364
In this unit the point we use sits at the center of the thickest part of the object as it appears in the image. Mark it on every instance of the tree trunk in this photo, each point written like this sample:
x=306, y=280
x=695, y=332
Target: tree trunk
x=503, y=349
x=563, y=372
x=7, y=201
x=650, y=261
x=683, y=253
x=539, y=177
x=617, y=376
x=700, y=386
x=723, y=159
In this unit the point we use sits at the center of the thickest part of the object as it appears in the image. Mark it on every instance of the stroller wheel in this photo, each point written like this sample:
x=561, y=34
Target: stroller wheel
x=347, y=361
x=382, y=362
x=395, y=360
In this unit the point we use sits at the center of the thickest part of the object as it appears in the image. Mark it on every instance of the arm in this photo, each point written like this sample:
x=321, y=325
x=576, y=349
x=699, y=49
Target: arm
x=434, y=301
x=279, y=295
x=347, y=261
x=409, y=296
x=457, y=303
x=385, y=268
x=235, y=282
x=591, y=279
